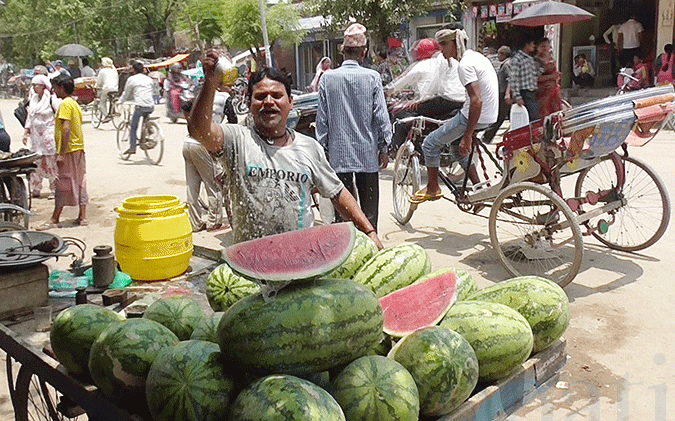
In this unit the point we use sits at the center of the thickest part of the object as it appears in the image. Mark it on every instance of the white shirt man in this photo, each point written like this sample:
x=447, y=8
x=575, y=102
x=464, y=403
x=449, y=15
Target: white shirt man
x=630, y=36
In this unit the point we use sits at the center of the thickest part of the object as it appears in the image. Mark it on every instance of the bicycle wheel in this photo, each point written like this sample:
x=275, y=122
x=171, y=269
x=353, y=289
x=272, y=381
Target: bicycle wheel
x=37, y=400
x=13, y=190
x=153, y=142
x=406, y=182
x=123, y=140
x=535, y=233
x=96, y=114
x=116, y=115
x=644, y=216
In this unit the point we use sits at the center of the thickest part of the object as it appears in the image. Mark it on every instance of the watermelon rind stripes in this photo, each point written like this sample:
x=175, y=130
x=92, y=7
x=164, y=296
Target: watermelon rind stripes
x=443, y=364
x=543, y=303
x=121, y=357
x=466, y=284
x=500, y=336
x=180, y=313
x=73, y=333
x=188, y=382
x=376, y=388
x=364, y=249
x=207, y=329
x=224, y=288
x=394, y=268
x=283, y=397
x=306, y=327
x=292, y=256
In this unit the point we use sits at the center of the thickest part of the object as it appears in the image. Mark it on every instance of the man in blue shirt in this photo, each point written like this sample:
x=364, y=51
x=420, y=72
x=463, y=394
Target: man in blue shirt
x=352, y=122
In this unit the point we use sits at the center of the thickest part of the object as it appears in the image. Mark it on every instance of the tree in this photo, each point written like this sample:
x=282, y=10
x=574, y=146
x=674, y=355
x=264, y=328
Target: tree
x=382, y=17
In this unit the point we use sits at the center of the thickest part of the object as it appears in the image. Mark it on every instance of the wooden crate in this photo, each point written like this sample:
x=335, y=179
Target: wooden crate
x=22, y=289
x=496, y=402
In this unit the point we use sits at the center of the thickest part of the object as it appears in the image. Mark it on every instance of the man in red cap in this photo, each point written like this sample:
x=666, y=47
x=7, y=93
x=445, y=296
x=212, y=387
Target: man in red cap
x=352, y=122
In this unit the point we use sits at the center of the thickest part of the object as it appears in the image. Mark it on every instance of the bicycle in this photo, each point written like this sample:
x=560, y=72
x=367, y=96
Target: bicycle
x=113, y=113
x=151, y=140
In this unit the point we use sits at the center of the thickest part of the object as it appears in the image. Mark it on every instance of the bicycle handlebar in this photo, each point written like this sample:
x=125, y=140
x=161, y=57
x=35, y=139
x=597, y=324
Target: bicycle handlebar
x=419, y=117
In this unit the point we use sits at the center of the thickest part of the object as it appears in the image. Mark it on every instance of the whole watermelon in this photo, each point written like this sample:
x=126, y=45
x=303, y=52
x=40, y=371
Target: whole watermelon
x=207, y=329
x=394, y=268
x=376, y=388
x=364, y=249
x=500, y=336
x=305, y=327
x=282, y=397
x=543, y=303
x=180, y=313
x=224, y=288
x=466, y=285
x=74, y=331
x=443, y=365
x=188, y=382
x=121, y=357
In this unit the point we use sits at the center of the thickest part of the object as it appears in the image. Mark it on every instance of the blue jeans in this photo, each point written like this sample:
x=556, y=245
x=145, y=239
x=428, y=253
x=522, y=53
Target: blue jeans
x=138, y=113
x=449, y=133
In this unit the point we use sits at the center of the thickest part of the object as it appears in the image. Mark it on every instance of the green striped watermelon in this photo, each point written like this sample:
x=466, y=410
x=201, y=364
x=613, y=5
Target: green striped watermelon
x=364, y=249
x=224, y=288
x=443, y=365
x=376, y=388
x=74, y=331
x=207, y=329
x=383, y=346
x=188, y=382
x=419, y=305
x=543, y=303
x=394, y=268
x=180, y=313
x=294, y=255
x=500, y=336
x=121, y=357
x=466, y=285
x=282, y=397
x=305, y=327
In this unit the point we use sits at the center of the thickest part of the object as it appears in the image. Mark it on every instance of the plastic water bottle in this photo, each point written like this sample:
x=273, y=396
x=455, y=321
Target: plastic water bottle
x=519, y=116
x=227, y=70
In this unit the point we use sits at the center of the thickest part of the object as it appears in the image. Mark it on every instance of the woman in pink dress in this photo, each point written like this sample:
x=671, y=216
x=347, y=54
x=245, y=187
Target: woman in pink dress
x=40, y=130
x=548, y=90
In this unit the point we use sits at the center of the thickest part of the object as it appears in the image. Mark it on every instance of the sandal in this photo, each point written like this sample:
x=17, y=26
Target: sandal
x=420, y=197
x=82, y=222
x=49, y=225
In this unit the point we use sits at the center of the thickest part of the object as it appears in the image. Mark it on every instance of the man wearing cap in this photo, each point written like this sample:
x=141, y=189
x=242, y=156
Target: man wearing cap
x=479, y=78
x=352, y=122
x=107, y=82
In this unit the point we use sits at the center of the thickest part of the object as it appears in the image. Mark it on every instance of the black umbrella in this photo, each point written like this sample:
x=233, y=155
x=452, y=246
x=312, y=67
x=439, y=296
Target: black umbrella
x=74, y=50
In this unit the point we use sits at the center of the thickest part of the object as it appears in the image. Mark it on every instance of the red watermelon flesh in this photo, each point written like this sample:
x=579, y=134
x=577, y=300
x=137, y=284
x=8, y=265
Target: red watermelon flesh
x=419, y=305
x=293, y=255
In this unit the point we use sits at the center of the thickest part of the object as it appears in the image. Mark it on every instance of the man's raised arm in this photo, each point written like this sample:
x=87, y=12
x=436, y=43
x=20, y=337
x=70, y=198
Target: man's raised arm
x=200, y=122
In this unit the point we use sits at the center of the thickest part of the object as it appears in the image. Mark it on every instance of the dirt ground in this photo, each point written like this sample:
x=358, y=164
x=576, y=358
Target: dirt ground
x=620, y=363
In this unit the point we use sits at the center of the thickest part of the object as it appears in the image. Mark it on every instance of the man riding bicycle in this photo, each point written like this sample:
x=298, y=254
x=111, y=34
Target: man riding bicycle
x=139, y=90
x=480, y=80
x=107, y=83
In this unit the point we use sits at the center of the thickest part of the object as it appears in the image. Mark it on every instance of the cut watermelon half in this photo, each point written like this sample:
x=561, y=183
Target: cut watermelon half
x=419, y=305
x=293, y=255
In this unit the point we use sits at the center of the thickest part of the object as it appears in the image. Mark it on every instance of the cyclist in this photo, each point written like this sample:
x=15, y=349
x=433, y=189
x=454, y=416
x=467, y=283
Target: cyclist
x=107, y=82
x=138, y=89
x=480, y=80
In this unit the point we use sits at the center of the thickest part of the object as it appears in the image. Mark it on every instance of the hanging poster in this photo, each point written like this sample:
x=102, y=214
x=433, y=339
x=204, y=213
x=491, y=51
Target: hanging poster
x=509, y=9
x=517, y=8
x=493, y=10
x=474, y=11
x=502, y=14
x=484, y=12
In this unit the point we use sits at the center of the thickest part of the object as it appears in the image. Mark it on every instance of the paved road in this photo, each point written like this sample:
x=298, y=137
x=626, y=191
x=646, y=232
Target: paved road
x=620, y=364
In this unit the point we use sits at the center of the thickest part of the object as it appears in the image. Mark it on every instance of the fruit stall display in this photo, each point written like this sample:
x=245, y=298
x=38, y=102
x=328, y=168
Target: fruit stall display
x=315, y=325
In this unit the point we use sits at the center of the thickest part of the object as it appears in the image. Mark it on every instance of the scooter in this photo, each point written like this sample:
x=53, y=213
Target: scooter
x=185, y=95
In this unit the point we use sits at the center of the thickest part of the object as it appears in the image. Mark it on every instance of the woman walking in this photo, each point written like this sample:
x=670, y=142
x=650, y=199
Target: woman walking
x=321, y=67
x=40, y=130
x=548, y=83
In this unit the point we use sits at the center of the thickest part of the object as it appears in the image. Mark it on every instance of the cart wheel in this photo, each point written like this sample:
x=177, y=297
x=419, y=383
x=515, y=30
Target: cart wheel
x=96, y=114
x=13, y=190
x=123, y=140
x=36, y=400
x=644, y=217
x=535, y=233
x=153, y=142
x=407, y=180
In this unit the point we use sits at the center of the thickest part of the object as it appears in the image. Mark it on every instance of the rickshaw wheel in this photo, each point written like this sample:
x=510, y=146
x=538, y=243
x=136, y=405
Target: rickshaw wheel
x=644, y=217
x=406, y=182
x=34, y=399
x=535, y=233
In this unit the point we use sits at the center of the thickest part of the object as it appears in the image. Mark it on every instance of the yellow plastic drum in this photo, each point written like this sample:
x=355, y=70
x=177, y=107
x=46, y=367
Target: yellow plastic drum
x=153, y=237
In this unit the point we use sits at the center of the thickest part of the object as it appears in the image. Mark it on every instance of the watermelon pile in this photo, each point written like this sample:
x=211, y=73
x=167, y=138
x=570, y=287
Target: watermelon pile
x=329, y=329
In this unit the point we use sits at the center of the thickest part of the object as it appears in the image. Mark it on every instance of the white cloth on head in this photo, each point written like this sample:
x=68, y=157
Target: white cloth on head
x=475, y=67
x=41, y=80
x=314, y=86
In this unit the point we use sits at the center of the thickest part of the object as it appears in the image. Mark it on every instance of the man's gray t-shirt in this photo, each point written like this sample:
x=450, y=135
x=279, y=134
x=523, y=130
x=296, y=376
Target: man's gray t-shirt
x=270, y=186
